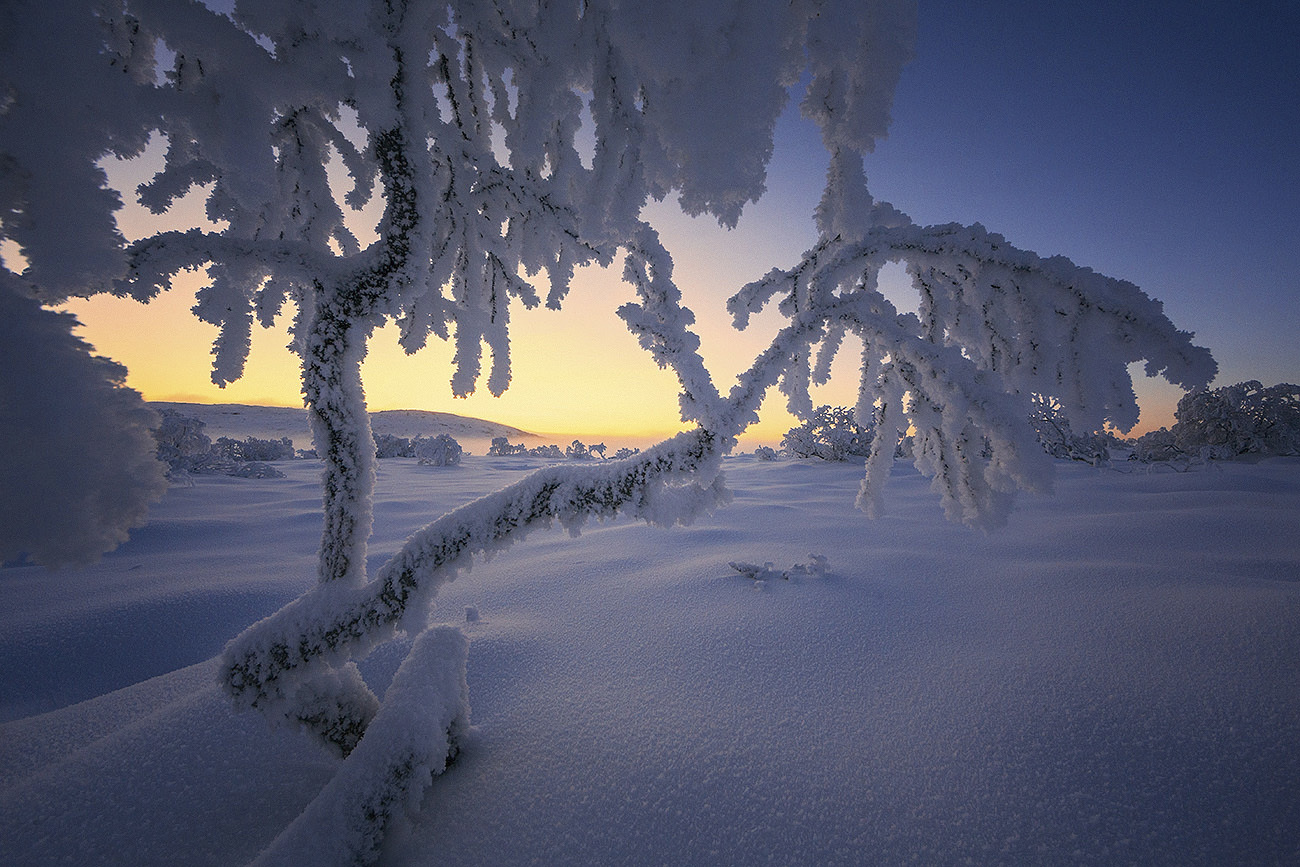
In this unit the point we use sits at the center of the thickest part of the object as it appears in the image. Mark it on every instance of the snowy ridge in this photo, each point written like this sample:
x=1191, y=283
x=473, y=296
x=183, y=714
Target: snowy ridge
x=240, y=421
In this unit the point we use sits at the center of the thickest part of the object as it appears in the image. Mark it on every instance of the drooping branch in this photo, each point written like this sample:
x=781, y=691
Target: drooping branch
x=995, y=325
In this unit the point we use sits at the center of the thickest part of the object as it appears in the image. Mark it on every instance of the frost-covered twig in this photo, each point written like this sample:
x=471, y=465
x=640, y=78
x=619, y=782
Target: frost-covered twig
x=756, y=573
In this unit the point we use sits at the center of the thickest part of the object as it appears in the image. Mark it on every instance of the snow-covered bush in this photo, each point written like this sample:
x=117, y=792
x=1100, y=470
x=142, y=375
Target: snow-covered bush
x=1246, y=418
x=760, y=573
x=765, y=453
x=577, y=451
x=392, y=446
x=1153, y=446
x=438, y=451
x=1060, y=441
x=830, y=433
x=254, y=449
x=1223, y=423
x=182, y=444
x=187, y=450
x=502, y=448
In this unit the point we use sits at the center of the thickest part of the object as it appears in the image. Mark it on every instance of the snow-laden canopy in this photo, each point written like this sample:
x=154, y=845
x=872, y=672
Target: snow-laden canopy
x=508, y=138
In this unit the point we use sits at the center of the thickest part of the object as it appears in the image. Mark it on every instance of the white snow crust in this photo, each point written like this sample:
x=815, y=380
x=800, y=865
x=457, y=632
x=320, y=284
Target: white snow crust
x=1108, y=679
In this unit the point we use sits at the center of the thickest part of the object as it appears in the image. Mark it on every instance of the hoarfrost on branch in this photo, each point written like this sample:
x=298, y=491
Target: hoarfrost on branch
x=506, y=139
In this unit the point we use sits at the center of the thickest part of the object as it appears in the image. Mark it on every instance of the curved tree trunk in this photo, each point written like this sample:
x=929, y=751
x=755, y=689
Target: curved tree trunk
x=336, y=404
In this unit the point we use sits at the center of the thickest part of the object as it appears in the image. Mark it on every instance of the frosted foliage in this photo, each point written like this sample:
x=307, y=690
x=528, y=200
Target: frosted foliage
x=439, y=451
x=70, y=88
x=80, y=467
x=830, y=433
x=467, y=120
x=996, y=325
x=1245, y=418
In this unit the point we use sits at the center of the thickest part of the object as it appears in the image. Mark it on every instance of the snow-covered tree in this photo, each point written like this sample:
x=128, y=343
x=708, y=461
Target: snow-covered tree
x=437, y=451
x=830, y=433
x=1246, y=418
x=577, y=451
x=1059, y=440
x=506, y=139
x=502, y=447
x=254, y=449
x=182, y=444
x=79, y=469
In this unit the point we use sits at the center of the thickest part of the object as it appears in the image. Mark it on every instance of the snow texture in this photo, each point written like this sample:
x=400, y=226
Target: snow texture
x=1108, y=679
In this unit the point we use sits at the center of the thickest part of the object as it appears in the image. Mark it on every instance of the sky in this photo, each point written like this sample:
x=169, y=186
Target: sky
x=1153, y=142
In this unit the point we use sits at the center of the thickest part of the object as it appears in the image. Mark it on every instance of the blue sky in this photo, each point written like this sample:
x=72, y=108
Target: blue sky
x=1151, y=141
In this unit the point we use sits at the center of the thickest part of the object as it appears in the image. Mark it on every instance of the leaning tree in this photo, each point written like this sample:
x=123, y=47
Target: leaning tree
x=508, y=138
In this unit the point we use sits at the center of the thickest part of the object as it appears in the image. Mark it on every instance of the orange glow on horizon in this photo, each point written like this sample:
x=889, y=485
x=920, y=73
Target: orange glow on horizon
x=576, y=372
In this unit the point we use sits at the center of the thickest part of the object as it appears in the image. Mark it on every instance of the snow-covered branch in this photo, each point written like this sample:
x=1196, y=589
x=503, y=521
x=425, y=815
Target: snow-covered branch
x=507, y=139
x=267, y=664
x=995, y=325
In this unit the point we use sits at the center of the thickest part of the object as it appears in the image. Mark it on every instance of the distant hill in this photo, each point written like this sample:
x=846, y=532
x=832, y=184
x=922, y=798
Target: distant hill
x=238, y=421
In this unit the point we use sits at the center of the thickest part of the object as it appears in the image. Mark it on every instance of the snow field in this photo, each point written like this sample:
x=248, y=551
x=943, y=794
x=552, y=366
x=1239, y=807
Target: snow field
x=1109, y=679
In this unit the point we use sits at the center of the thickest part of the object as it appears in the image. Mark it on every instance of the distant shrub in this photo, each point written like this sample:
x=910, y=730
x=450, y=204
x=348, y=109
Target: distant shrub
x=1059, y=441
x=390, y=446
x=1241, y=419
x=439, y=451
x=576, y=451
x=765, y=453
x=831, y=433
x=187, y=450
x=1223, y=423
x=501, y=448
x=182, y=444
x=253, y=449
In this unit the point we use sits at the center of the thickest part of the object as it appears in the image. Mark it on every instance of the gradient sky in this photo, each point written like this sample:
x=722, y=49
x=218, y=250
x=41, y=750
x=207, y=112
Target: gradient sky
x=1153, y=141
